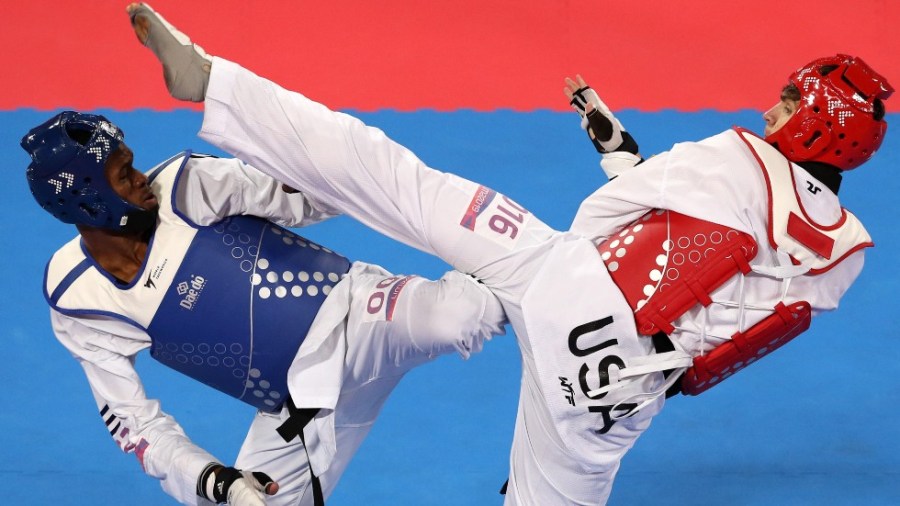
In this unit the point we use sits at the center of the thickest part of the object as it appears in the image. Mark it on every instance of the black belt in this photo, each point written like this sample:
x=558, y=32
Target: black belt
x=293, y=427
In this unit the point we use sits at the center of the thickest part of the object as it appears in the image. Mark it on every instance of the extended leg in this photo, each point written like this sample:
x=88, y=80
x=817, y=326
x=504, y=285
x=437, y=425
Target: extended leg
x=358, y=170
x=394, y=324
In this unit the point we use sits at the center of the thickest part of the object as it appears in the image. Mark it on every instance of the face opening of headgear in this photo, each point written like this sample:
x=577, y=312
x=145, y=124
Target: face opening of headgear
x=840, y=116
x=66, y=174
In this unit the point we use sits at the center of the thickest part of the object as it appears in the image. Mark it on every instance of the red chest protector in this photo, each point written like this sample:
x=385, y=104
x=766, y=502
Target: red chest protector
x=666, y=263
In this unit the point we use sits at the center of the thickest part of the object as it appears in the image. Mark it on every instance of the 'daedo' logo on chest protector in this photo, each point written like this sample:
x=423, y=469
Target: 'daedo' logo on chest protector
x=189, y=291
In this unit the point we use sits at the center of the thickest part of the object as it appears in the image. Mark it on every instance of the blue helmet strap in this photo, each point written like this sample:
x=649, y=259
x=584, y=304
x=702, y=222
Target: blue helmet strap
x=139, y=220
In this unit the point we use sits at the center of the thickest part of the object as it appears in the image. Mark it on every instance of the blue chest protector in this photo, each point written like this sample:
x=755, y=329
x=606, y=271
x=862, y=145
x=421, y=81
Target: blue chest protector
x=227, y=304
x=243, y=300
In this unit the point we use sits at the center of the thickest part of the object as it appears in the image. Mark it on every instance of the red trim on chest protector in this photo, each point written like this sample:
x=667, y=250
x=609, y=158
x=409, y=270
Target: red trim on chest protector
x=666, y=263
x=801, y=229
x=744, y=348
x=808, y=236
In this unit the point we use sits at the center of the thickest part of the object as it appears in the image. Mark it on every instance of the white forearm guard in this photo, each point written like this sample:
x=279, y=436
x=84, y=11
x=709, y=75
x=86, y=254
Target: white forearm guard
x=617, y=162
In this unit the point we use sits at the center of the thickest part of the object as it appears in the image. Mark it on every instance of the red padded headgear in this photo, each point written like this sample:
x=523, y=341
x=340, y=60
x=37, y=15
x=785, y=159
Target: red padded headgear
x=834, y=121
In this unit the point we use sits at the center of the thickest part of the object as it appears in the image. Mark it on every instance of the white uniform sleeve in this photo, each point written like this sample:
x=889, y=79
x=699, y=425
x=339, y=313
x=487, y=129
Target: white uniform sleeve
x=702, y=179
x=614, y=205
x=136, y=423
x=211, y=189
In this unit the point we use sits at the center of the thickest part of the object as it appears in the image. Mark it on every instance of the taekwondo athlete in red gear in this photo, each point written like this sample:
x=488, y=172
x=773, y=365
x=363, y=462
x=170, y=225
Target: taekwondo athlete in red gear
x=829, y=120
x=592, y=381
x=193, y=263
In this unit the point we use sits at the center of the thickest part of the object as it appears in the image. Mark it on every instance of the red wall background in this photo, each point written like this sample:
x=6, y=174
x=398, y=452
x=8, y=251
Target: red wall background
x=477, y=54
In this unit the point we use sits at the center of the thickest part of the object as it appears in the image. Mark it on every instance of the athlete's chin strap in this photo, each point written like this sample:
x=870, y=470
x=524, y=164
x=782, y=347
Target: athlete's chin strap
x=139, y=220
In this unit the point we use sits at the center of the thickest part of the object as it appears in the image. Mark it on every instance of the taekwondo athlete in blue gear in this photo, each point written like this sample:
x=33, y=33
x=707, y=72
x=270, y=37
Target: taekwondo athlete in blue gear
x=195, y=263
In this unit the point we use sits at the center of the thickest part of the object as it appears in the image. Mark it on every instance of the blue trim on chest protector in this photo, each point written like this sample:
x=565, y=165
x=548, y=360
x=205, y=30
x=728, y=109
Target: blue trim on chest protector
x=240, y=305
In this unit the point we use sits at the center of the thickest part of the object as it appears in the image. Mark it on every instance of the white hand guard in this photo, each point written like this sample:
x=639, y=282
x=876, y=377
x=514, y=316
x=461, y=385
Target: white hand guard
x=227, y=485
x=607, y=129
x=617, y=162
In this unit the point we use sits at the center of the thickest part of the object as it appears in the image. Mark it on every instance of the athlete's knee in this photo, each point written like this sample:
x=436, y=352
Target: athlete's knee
x=455, y=313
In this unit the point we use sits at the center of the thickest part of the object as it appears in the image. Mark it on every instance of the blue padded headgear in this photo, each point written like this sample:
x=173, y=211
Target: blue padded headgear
x=66, y=174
